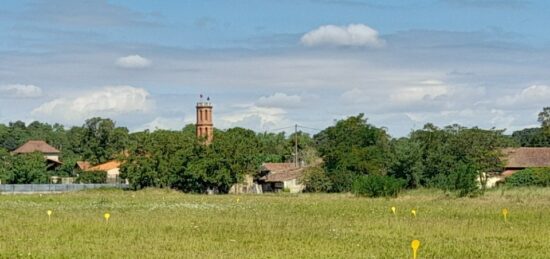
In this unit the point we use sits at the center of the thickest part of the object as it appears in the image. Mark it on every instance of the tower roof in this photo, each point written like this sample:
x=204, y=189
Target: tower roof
x=204, y=104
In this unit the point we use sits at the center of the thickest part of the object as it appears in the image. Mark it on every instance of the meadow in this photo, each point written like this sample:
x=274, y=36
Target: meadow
x=158, y=223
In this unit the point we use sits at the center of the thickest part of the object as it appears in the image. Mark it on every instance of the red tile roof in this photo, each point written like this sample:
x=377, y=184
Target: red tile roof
x=36, y=146
x=527, y=157
x=106, y=166
x=83, y=165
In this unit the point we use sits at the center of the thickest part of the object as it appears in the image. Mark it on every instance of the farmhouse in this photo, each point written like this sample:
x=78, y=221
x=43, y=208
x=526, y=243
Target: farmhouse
x=50, y=153
x=111, y=167
x=525, y=157
x=276, y=177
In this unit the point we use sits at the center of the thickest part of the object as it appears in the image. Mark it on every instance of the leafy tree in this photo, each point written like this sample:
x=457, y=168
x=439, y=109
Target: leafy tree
x=544, y=118
x=532, y=137
x=446, y=151
x=5, y=166
x=274, y=147
x=406, y=163
x=351, y=148
x=27, y=169
x=102, y=140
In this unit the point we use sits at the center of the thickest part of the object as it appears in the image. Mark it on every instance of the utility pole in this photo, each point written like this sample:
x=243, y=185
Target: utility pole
x=296, y=145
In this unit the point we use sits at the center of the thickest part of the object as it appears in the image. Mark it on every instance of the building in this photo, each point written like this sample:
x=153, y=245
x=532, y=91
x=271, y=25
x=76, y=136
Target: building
x=111, y=167
x=516, y=159
x=205, y=124
x=31, y=146
x=277, y=177
x=82, y=165
x=525, y=157
x=50, y=153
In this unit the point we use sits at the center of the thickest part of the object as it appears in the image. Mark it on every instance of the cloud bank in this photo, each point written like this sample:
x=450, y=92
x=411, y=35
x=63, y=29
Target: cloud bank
x=108, y=101
x=20, y=91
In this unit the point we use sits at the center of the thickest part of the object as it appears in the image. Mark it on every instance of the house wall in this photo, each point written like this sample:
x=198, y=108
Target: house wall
x=247, y=186
x=112, y=175
x=54, y=157
x=294, y=186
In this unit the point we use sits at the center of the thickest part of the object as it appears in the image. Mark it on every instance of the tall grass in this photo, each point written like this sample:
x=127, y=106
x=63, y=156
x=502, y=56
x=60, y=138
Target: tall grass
x=168, y=224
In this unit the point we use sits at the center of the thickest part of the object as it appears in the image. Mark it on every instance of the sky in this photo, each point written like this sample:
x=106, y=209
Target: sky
x=272, y=64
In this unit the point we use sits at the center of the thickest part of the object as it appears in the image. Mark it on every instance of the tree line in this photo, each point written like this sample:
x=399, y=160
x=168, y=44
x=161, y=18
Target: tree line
x=451, y=157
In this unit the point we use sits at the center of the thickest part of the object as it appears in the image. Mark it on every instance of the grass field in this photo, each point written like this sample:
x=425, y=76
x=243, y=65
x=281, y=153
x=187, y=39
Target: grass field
x=168, y=224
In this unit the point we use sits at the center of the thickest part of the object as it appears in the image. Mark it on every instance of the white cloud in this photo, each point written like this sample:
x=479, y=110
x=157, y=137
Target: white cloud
x=164, y=123
x=535, y=96
x=109, y=101
x=354, y=35
x=133, y=61
x=20, y=91
x=280, y=100
x=254, y=117
x=425, y=91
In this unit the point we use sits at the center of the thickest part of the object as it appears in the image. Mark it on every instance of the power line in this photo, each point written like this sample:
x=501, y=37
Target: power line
x=279, y=129
x=300, y=126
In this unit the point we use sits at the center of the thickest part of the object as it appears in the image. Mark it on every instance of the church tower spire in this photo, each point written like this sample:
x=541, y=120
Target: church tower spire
x=205, y=124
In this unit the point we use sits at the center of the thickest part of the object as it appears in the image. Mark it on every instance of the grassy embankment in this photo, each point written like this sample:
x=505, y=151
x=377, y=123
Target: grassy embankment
x=168, y=224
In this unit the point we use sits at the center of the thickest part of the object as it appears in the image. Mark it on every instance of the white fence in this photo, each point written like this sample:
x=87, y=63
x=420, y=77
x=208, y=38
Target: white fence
x=46, y=188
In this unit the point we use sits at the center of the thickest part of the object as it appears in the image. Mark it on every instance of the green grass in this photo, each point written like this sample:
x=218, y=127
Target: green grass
x=169, y=224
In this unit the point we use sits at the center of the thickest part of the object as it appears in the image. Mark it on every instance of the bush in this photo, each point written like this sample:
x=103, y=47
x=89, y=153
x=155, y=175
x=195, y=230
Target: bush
x=92, y=177
x=377, y=186
x=530, y=177
x=341, y=180
x=463, y=180
x=316, y=180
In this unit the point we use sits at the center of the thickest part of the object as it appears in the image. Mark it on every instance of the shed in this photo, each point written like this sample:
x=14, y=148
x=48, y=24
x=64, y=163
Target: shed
x=276, y=177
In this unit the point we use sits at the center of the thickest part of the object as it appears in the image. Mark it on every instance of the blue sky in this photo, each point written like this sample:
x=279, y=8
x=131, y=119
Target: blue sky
x=270, y=64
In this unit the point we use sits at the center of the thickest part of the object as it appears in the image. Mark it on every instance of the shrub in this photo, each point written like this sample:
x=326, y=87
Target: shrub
x=530, y=177
x=316, y=180
x=463, y=180
x=92, y=177
x=341, y=180
x=377, y=186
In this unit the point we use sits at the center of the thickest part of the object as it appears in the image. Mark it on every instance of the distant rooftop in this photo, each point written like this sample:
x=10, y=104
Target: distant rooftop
x=527, y=157
x=36, y=146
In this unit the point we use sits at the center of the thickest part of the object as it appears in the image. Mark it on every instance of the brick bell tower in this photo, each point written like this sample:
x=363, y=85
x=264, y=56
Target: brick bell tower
x=205, y=125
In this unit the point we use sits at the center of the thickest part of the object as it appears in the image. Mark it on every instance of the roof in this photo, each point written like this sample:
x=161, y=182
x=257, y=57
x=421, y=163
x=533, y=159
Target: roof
x=36, y=146
x=280, y=172
x=527, y=157
x=106, y=166
x=83, y=165
x=277, y=167
x=284, y=176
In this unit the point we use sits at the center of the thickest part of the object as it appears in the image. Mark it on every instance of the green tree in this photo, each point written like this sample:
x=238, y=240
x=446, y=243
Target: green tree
x=532, y=137
x=101, y=140
x=27, y=169
x=351, y=148
x=445, y=151
x=406, y=162
x=544, y=117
